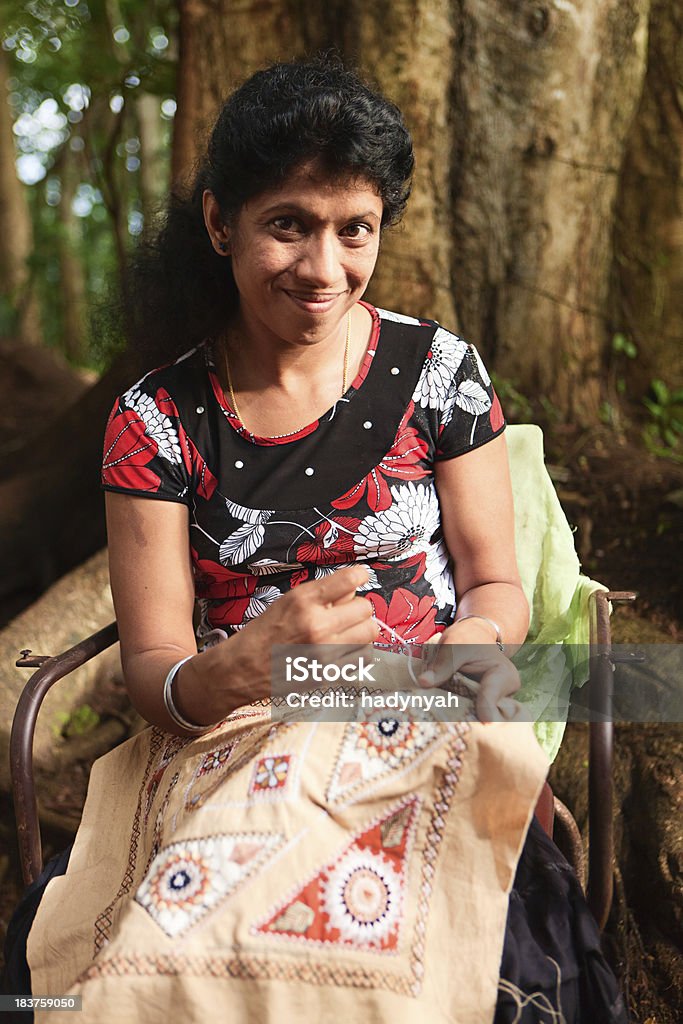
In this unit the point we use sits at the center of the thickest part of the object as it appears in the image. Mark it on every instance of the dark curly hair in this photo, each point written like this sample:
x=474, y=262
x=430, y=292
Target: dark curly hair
x=179, y=290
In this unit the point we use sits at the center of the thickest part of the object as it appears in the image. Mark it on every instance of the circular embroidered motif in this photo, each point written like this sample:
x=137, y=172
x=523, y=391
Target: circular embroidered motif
x=388, y=738
x=362, y=898
x=182, y=881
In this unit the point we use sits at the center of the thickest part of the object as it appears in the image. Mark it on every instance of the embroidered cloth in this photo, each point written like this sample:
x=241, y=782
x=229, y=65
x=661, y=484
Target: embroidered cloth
x=292, y=871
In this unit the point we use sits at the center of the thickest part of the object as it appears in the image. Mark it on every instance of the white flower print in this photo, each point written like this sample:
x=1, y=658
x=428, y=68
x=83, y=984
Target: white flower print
x=157, y=426
x=404, y=528
x=399, y=318
x=447, y=351
x=439, y=576
x=328, y=570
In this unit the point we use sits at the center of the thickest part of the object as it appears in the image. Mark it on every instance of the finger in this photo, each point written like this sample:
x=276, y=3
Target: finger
x=362, y=633
x=343, y=616
x=496, y=684
x=338, y=587
x=442, y=663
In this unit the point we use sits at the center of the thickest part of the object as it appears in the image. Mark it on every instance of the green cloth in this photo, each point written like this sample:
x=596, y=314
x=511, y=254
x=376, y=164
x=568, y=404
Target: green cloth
x=555, y=588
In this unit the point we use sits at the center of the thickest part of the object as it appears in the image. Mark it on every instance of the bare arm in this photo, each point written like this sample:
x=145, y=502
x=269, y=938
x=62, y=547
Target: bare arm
x=153, y=589
x=478, y=523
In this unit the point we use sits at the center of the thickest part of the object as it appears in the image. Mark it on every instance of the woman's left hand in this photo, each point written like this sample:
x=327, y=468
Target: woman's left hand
x=497, y=677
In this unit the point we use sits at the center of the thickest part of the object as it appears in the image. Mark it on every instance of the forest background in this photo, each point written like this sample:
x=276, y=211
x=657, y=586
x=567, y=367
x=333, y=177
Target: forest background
x=546, y=225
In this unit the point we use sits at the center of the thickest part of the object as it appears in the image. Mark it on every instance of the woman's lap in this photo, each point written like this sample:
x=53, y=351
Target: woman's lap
x=357, y=851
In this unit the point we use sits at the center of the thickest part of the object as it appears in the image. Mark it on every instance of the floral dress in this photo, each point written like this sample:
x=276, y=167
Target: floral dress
x=356, y=485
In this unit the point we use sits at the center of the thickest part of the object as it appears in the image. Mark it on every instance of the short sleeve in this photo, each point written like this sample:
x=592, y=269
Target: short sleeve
x=469, y=412
x=142, y=446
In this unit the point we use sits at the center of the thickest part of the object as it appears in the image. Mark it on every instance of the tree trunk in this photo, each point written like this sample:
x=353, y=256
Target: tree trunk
x=544, y=99
x=153, y=167
x=414, y=271
x=648, y=268
x=78, y=605
x=51, y=510
x=16, y=230
x=223, y=42
x=71, y=275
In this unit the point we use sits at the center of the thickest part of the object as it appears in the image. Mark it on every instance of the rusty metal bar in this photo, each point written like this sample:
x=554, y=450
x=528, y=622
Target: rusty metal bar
x=51, y=670
x=600, y=766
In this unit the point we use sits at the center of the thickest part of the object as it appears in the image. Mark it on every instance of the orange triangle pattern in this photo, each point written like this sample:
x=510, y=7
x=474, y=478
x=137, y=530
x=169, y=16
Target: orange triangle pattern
x=356, y=901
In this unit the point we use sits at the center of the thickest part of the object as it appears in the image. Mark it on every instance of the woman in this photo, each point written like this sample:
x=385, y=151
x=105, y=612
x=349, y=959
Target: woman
x=319, y=472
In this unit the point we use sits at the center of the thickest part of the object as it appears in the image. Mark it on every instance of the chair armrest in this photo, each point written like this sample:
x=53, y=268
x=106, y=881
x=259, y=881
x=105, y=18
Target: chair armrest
x=21, y=742
x=601, y=736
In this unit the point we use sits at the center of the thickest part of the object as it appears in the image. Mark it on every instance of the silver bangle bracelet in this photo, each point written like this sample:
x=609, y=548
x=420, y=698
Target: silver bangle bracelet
x=169, y=703
x=484, y=618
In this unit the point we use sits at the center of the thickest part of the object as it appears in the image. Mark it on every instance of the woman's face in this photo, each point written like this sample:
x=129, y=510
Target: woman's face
x=303, y=253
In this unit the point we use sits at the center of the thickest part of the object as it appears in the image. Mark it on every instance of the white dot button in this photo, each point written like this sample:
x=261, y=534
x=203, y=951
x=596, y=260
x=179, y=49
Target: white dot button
x=239, y=464
x=395, y=370
x=367, y=424
x=310, y=471
x=200, y=408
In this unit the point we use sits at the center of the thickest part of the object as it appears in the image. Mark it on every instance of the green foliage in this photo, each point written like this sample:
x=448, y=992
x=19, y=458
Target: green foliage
x=80, y=721
x=622, y=344
x=663, y=435
x=516, y=406
x=77, y=68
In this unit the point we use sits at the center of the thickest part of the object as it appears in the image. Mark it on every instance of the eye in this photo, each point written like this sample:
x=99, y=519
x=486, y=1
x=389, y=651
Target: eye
x=287, y=225
x=357, y=231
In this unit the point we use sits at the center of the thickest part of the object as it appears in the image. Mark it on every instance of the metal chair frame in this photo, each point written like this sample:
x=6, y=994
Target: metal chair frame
x=600, y=793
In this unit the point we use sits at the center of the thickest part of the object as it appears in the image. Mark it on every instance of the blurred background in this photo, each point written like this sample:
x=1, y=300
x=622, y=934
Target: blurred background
x=546, y=226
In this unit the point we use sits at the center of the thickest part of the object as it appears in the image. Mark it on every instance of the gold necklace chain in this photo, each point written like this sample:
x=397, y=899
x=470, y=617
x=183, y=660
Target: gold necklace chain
x=233, y=400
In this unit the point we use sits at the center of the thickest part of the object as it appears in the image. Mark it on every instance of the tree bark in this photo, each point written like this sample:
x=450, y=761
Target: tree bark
x=153, y=166
x=220, y=44
x=71, y=275
x=648, y=266
x=414, y=42
x=544, y=99
x=16, y=229
x=78, y=605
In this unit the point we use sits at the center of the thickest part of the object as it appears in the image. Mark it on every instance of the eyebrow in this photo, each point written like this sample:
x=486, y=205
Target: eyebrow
x=302, y=210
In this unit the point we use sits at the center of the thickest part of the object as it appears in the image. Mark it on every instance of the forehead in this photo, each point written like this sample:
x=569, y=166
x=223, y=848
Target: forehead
x=310, y=186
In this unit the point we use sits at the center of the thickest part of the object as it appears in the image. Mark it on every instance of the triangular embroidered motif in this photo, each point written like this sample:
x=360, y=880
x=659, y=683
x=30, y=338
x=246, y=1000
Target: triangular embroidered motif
x=188, y=879
x=376, y=748
x=356, y=901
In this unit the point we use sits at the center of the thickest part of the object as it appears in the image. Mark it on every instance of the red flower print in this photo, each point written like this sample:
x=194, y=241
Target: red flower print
x=412, y=617
x=496, y=414
x=402, y=460
x=333, y=542
x=213, y=580
x=238, y=594
x=127, y=451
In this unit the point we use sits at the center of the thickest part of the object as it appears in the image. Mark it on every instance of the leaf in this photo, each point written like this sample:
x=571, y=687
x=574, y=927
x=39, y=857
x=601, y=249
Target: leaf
x=471, y=397
x=255, y=516
x=261, y=598
x=480, y=366
x=241, y=544
x=268, y=566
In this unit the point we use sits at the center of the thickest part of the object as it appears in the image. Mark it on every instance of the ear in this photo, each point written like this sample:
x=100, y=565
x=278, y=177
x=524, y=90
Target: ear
x=218, y=232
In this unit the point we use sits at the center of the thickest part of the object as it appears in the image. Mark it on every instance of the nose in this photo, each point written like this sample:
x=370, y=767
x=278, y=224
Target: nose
x=319, y=264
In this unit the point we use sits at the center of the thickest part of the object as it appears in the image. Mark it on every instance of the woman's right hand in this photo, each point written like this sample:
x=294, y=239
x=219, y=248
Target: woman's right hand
x=238, y=671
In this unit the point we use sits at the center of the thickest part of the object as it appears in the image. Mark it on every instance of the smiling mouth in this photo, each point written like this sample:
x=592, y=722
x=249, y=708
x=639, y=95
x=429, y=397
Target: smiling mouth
x=314, y=303
x=307, y=297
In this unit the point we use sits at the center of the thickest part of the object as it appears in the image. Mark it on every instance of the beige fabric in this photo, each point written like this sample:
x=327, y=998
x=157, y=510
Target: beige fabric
x=297, y=871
